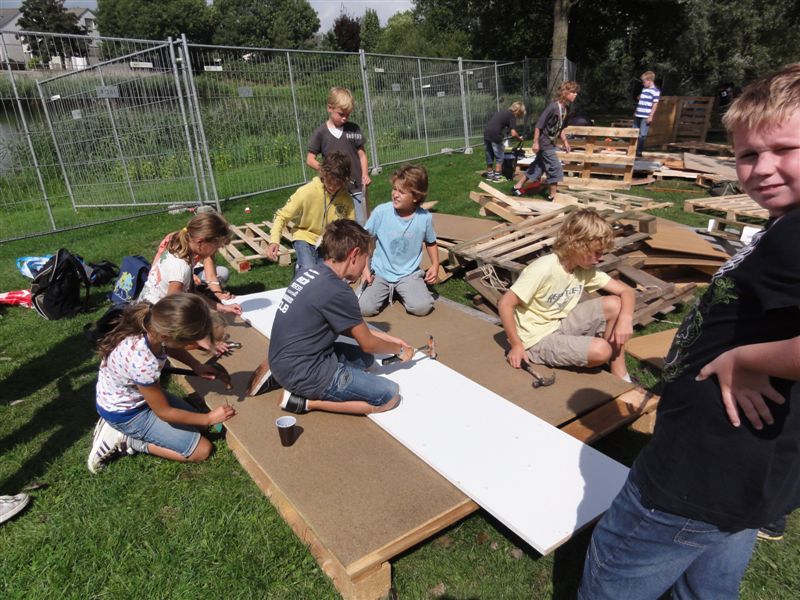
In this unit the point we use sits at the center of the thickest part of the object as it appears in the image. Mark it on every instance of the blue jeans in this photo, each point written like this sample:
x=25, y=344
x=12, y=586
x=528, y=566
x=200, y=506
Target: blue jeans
x=306, y=256
x=360, y=207
x=639, y=553
x=644, y=127
x=351, y=382
x=494, y=153
x=145, y=426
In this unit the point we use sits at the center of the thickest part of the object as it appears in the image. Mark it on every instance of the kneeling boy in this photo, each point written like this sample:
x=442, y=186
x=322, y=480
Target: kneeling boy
x=319, y=305
x=541, y=315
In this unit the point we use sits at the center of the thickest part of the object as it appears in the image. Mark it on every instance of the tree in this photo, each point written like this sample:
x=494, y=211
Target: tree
x=51, y=16
x=558, y=51
x=347, y=32
x=370, y=30
x=402, y=35
x=265, y=23
x=156, y=19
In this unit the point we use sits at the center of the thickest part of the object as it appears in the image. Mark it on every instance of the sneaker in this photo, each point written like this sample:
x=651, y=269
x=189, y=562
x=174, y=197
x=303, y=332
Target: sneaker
x=550, y=198
x=773, y=532
x=262, y=381
x=106, y=443
x=294, y=403
x=12, y=505
x=488, y=174
x=517, y=192
x=499, y=178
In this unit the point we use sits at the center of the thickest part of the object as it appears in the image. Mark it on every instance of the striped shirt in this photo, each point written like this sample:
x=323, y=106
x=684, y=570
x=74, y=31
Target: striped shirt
x=647, y=99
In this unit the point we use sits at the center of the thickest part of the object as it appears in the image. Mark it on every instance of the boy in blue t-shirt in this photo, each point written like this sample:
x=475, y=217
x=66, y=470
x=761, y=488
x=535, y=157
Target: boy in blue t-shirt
x=402, y=229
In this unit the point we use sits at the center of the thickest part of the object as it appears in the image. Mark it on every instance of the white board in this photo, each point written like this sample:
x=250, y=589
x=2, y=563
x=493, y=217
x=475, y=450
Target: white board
x=540, y=482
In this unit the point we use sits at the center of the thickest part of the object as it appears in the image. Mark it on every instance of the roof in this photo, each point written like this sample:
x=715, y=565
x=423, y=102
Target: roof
x=7, y=15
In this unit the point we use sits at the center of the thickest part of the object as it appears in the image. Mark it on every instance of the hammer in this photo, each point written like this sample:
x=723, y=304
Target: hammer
x=538, y=379
x=428, y=349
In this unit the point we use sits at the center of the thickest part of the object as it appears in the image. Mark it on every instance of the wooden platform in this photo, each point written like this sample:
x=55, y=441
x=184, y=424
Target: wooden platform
x=253, y=239
x=386, y=500
x=733, y=207
x=600, y=155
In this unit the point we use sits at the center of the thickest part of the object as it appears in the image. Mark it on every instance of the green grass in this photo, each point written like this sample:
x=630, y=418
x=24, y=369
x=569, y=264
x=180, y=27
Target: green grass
x=146, y=528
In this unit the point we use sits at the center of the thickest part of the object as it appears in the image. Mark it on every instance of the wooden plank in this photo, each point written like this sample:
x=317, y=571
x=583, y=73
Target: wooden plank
x=609, y=418
x=723, y=167
x=612, y=132
x=651, y=348
x=490, y=204
x=537, y=205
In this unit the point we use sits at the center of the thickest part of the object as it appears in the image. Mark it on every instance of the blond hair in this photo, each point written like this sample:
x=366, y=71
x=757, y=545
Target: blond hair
x=341, y=98
x=518, y=108
x=648, y=75
x=770, y=100
x=340, y=237
x=412, y=179
x=567, y=88
x=182, y=318
x=583, y=231
x=205, y=227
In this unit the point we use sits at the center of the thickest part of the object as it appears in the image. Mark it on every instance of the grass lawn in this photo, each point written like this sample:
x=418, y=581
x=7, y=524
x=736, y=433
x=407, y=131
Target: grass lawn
x=147, y=528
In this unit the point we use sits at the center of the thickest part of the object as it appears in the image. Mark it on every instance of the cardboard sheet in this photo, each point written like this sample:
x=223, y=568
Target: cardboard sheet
x=724, y=167
x=542, y=483
x=674, y=237
x=455, y=227
x=651, y=348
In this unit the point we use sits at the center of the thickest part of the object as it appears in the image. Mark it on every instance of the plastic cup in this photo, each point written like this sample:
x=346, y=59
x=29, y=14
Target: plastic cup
x=286, y=430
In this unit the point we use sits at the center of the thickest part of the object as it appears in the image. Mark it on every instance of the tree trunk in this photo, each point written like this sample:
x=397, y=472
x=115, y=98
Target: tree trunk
x=558, y=54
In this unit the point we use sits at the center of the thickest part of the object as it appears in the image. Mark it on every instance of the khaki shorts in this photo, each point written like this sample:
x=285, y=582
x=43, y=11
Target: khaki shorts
x=568, y=346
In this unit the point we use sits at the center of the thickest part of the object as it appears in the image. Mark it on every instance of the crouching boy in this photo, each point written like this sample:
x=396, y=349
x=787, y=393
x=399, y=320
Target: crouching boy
x=317, y=372
x=541, y=315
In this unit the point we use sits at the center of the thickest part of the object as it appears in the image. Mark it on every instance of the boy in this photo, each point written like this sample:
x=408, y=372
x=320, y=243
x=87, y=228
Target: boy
x=317, y=372
x=687, y=517
x=312, y=206
x=402, y=229
x=493, y=136
x=338, y=134
x=541, y=315
x=549, y=125
x=646, y=108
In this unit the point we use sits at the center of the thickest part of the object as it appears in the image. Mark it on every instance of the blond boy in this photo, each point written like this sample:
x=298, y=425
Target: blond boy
x=504, y=121
x=338, y=134
x=686, y=519
x=541, y=315
x=646, y=108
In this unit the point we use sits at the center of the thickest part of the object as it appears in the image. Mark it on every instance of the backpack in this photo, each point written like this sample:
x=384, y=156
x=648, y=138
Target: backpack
x=132, y=277
x=56, y=289
x=94, y=332
x=103, y=272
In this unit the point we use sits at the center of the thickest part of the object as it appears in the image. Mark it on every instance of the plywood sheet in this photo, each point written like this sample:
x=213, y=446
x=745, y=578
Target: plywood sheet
x=724, y=167
x=470, y=436
x=674, y=237
x=454, y=227
x=651, y=348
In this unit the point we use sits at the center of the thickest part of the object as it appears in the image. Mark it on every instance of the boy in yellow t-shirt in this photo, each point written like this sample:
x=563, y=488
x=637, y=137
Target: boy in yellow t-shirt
x=541, y=315
x=321, y=201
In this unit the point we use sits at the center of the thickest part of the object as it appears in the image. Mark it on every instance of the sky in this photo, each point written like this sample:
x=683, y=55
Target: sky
x=327, y=10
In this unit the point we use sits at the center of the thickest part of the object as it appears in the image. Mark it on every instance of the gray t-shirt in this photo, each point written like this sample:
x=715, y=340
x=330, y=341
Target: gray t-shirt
x=550, y=122
x=317, y=307
x=323, y=142
x=498, y=125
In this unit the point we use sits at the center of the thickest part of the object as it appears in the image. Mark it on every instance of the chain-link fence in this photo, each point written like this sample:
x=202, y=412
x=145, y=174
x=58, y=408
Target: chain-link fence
x=99, y=129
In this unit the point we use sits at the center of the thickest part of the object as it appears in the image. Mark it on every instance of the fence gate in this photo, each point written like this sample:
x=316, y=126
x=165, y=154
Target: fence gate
x=123, y=133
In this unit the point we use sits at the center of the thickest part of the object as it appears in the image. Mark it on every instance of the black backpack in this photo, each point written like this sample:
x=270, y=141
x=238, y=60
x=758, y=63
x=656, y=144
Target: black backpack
x=56, y=289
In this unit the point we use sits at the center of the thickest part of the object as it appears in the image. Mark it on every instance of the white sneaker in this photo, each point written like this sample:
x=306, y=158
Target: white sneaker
x=106, y=443
x=11, y=505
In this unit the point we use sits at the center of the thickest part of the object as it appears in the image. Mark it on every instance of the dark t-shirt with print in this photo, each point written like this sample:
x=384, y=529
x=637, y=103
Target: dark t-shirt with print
x=323, y=142
x=317, y=307
x=697, y=464
x=550, y=123
x=497, y=125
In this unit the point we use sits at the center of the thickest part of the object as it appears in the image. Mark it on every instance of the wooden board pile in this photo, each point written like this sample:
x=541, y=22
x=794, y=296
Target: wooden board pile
x=732, y=217
x=601, y=157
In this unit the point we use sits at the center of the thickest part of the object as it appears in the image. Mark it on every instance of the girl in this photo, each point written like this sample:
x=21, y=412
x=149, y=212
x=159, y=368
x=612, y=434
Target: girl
x=136, y=414
x=179, y=251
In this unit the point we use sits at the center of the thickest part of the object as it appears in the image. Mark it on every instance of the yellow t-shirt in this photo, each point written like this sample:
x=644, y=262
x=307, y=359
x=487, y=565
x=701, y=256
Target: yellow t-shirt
x=312, y=208
x=547, y=294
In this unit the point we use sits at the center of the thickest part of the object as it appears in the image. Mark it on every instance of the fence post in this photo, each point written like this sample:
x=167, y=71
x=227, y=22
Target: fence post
x=194, y=141
x=362, y=57
x=467, y=147
x=422, y=99
x=27, y=132
x=185, y=119
x=55, y=144
x=117, y=141
x=296, y=118
x=497, y=85
x=202, y=134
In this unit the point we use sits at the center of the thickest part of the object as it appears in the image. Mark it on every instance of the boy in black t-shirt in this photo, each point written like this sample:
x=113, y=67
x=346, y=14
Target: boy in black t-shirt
x=317, y=372
x=686, y=519
x=504, y=121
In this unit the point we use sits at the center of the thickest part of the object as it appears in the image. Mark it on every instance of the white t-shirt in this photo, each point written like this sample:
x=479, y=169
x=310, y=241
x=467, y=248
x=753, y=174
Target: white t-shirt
x=130, y=364
x=165, y=269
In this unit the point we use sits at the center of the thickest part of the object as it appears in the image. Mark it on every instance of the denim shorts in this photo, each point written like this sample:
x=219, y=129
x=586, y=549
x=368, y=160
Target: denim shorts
x=351, y=382
x=147, y=427
x=494, y=152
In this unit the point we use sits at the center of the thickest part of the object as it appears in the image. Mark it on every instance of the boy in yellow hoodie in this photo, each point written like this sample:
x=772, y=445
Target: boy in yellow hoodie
x=321, y=201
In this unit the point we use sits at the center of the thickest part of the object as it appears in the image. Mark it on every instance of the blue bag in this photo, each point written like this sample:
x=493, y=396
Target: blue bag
x=132, y=277
x=29, y=266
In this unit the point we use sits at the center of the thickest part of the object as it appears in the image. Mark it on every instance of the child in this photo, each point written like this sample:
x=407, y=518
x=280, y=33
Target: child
x=493, y=136
x=686, y=519
x=541, y=315
x=402, y=228
x=174, y=262
x=338, y=134
x=549, y=125
x=136, y=415
x=319, y=202
x=646, y=108
x=317, y=372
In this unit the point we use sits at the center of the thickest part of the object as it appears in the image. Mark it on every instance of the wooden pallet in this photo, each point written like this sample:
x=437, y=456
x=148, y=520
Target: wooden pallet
x=254, y=239
x=600, y=152
x=733, y=207
x=680, y=119
x=617, y=202
x=702, y=148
